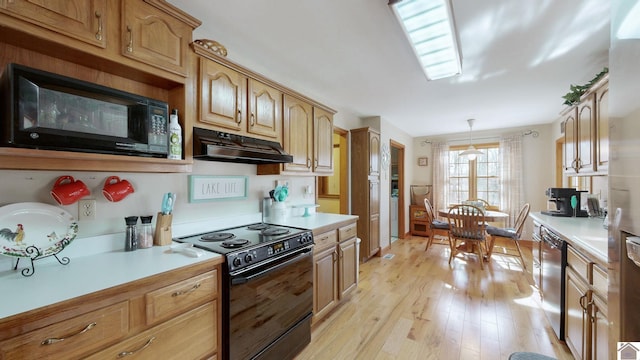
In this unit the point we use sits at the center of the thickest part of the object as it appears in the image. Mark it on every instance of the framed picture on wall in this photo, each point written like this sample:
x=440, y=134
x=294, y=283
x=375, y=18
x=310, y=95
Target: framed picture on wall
x=423, y=161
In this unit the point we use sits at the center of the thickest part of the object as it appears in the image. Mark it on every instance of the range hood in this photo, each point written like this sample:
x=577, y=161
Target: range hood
x=219, y=146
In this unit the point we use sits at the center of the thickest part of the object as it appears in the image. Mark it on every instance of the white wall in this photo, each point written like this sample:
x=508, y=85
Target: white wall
x=27, y=186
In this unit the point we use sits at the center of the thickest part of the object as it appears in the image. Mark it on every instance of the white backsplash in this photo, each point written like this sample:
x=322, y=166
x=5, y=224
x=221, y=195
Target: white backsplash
x=103, y=234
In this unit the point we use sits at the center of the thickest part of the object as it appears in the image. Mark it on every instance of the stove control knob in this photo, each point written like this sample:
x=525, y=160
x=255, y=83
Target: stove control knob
x=248, y=258
x=237, y=262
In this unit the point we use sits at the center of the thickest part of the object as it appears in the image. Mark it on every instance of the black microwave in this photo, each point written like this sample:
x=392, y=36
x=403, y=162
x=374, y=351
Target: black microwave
x=42, y=110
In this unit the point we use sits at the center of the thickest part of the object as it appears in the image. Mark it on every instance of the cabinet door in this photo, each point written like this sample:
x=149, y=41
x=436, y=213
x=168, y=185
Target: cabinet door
x=347, y=264
x=374, y=234
x=265, y=111
x=325, y=275
x=298, y=131
x=374, y=197
x=586, y=121
x=570, y=150
x=323, y=144
x=577, y=317
x=222, y=96
x=84, y=20
x=600, y=330
x=374, y=154
x=602, y=130
x=151, y=36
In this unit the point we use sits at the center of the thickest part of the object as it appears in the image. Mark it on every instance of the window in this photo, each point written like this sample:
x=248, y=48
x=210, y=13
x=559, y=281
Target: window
x=475, y=179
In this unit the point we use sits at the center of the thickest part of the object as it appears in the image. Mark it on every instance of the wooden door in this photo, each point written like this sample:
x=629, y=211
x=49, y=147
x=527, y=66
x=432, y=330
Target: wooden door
x=347, y=268
x=602, y=130
x=577, y=319
x=298, y=131
x=323, y=144
x=600, y=330
x=152, y=36
x=265, y=111
x=586, y=121
x=325, y=275
x=84, y=20
x=374, y=154
x=570, y=150
x=222, y=99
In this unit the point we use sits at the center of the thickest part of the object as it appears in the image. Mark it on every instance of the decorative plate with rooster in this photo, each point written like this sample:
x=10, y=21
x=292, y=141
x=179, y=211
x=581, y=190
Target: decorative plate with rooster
x=30, y=226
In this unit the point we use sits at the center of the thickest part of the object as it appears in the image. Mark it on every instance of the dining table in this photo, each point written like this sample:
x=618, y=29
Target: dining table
x=489, y=215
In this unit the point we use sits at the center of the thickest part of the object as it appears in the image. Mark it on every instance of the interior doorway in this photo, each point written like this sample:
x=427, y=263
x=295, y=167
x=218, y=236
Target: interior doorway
x=396, y=201
x=333, y=191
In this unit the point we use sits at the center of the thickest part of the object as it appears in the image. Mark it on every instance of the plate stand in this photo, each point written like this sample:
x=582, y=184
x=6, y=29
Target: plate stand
x=35, y=254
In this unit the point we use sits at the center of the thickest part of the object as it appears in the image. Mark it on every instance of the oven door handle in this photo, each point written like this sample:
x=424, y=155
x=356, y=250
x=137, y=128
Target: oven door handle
x=237, y=280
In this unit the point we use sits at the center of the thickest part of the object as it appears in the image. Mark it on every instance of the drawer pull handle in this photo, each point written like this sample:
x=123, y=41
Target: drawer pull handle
x=181, y=292
x=50, y=341
x=127, y=353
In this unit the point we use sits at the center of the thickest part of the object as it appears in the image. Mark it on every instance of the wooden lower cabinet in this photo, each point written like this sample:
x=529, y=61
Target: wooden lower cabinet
x=189, y=336
x=586, y=322
x=418, y=223
x=335, y=267
x=175, y=314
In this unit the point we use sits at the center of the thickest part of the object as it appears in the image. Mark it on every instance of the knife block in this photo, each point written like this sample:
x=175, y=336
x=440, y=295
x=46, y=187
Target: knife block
x=163, y=230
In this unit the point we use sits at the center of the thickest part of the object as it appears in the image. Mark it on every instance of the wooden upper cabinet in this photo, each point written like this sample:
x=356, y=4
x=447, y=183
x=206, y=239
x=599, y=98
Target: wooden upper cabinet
x=222, y=96
x=323, y=144
x=298, y=134
x=570, y=125
x=586, y=123
x=602, y=128
x=265, y=110
x=150, y=36
x=84, y=20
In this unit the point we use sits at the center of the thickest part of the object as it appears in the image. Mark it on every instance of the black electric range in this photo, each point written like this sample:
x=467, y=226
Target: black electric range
x=250, y=244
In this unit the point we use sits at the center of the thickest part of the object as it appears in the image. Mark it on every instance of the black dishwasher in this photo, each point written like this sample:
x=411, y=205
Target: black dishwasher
x=553, y=261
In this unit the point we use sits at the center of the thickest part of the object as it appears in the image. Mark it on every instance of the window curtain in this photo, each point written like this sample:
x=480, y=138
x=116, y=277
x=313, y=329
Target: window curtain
x=440, y=176
x=511, y=177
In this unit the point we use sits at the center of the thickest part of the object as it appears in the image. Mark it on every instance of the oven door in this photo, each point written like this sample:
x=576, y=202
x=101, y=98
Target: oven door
x=270, y=305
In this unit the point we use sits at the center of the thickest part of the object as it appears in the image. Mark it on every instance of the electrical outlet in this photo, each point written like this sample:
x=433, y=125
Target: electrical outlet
x=87, y=209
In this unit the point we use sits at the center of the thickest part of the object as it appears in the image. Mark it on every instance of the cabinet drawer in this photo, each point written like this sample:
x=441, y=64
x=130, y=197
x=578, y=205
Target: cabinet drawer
x=600, y=281
x=74, y=337
x=174, y=299
x=347, y=232
x=325, y=240
x=192, y=335
x=578, y=263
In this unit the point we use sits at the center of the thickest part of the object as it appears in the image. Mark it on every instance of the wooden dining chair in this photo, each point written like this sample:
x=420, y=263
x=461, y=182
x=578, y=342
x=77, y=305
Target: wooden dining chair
x=436, y=227
x=467, y=224
x=510, y=235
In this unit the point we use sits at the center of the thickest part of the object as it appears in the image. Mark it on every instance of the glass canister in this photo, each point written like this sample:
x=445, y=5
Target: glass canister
x=131, y=234
x=145, y=233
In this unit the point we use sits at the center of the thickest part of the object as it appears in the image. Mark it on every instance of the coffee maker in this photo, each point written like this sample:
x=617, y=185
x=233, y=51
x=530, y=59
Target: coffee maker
x=562, y=198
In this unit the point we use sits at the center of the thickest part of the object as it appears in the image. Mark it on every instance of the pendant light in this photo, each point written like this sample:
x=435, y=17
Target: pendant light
x=471, y=151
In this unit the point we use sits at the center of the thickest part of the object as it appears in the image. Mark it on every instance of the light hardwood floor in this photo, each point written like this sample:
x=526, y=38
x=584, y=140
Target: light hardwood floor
x=415, y=306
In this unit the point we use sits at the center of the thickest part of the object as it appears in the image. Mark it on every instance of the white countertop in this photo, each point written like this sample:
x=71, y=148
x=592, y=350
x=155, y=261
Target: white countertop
x=314, y=221
x=586, y=233
x=99, y=263
x=53, y=282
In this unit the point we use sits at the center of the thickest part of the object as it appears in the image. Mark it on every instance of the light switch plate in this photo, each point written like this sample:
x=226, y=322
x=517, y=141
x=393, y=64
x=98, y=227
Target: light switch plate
x=87, y=209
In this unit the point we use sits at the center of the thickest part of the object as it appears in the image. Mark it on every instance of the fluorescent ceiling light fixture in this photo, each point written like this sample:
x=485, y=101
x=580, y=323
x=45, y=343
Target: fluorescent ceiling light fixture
x=429, y=26
x=471, y=151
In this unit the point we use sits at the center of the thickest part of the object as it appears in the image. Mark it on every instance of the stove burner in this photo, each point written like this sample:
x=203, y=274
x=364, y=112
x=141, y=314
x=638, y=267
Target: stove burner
x=217, y=236
x=234, y=243
x=260, y=226
x=275, y=231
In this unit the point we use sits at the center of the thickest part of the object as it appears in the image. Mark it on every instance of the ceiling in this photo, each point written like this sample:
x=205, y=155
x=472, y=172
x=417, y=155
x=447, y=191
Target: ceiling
x=519, y=57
